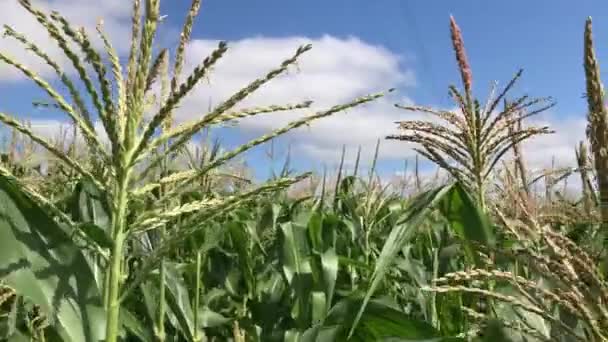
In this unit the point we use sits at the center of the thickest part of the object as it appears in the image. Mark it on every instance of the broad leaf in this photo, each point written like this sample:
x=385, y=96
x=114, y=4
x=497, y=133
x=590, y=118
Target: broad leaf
x=403, y=232
x=41, y=261
x=298, y=270
x=178, y=300
x=329, y=263
x=380, y=322
x=466, y=219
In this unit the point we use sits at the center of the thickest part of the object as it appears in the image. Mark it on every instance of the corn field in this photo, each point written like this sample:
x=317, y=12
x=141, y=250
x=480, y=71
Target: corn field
x=127, y=234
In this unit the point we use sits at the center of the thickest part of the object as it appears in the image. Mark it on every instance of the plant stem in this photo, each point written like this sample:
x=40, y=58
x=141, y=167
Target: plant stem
x=160, y=324
x=481, y=198
x=116, y=258
x=197, y=295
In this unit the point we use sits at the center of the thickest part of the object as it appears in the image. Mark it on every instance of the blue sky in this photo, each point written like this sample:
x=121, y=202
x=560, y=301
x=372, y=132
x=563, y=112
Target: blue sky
x=543, y=37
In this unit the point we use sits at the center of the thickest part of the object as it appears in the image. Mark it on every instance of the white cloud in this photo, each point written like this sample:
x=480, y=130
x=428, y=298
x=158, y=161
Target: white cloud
x=556, y=151
x=115, y=14
x=335, y=71
x=569, y=131
x=56, y=131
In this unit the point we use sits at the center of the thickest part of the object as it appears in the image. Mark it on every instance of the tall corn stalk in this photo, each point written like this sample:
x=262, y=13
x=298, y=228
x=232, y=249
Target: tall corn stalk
x=578, y=287
x=470, y=142
x=136, y=147
x=582, y=160
x=597, y=118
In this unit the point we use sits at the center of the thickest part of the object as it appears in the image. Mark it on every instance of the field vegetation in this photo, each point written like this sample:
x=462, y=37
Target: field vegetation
x=148, y=232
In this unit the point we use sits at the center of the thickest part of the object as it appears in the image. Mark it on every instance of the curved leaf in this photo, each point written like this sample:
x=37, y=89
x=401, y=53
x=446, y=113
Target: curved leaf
x=403, y=232
x=464, y=217
x=466, y=220
x=40, y=260
x=380, y=322
x=329, y=263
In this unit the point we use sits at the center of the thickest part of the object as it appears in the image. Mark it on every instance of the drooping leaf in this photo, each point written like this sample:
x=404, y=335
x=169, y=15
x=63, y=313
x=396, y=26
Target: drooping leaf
x=329, y=263
x=466, y=219
x=40, y=260
x=403, y=232
x=178, y=300
x=380, y=322
x=209, y=318
x=135, y=326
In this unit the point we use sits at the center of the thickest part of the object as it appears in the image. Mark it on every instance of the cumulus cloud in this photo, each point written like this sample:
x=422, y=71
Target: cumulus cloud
x=335, y=71
x=60, y=131
x=542, y=150
x=115, y=14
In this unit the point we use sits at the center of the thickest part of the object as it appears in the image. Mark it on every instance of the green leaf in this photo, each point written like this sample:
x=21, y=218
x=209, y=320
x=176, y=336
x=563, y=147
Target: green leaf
x=319, y=306
x=90, y=209
x=149, y=292
x=89, y=205
x=18, y=336
x=293, y=336
x=209, y=318
x=315, y=230
x=329, y=263
x=466, y=220
x=494, y=332
x=97, y=234
x=133, y=325
x=242, y=244
x=298, y=270
x=179, y=300
x=41, y=261
x=380, y=322
x=296, y=252
x=406, y=228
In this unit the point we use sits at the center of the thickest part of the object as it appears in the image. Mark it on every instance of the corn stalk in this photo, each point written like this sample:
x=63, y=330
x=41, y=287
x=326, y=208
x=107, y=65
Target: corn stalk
x=468, y=143
x=597, y=118
x=121, y=105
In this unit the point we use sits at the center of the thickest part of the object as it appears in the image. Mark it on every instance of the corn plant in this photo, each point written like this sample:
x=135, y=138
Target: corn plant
x=582, y=160
x=119, y=97
x=468, y=143
x=597, y=120
x=553, y=285
x=549, y=273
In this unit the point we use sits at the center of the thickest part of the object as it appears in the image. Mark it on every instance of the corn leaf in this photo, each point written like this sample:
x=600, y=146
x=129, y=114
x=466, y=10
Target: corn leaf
x=40, y=260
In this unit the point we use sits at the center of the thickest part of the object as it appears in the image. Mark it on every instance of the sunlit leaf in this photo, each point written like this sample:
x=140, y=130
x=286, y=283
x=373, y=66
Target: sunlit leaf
x=41, y=261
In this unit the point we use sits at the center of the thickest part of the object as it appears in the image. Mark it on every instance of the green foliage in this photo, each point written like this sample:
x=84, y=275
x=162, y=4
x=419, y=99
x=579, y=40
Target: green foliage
x=40, y=260
x=124, y=243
